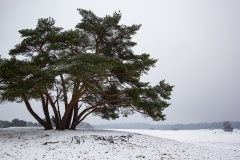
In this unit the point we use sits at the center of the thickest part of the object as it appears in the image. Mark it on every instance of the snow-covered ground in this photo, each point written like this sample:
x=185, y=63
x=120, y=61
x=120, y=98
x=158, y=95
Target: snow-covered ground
x=36, y=143
x=212, y=138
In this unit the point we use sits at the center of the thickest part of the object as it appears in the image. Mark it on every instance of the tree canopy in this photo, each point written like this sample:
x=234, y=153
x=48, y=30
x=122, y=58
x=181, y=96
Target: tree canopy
x=88, y=70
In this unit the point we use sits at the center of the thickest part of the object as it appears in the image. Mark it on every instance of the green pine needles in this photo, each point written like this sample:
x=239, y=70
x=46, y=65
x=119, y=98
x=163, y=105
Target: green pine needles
x=88, y=70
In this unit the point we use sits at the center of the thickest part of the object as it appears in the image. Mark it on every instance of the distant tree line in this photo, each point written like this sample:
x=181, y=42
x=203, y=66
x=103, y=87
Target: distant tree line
x=17, y=123
x=21, y=123
x=215, y=125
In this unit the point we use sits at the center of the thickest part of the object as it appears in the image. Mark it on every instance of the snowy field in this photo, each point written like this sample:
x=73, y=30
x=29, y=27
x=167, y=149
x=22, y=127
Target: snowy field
x=211, y=138
x=36, y=143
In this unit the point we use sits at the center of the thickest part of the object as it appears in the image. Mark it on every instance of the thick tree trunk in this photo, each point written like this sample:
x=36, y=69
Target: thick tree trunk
x=65, y=118
x=66, y=123
x=75, y=117
x=67, y=113
x=46, y=125
x=46, y=113
x=74, y=125
x=69, y=119
x=80, y=118
x=56, y=117
x=62, y=125
x=45, y=110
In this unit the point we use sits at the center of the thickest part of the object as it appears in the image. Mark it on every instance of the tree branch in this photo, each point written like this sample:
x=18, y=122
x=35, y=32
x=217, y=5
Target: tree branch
x=136, y=109
x=64, y=91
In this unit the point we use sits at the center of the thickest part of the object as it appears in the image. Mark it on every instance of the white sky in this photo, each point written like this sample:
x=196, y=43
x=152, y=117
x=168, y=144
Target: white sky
x=197, y=44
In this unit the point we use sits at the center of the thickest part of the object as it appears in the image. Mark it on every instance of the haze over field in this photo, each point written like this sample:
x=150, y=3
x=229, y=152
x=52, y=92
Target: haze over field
x=196, y=42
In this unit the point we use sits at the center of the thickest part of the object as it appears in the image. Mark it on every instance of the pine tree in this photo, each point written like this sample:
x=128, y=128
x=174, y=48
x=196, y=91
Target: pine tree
x=88, y=70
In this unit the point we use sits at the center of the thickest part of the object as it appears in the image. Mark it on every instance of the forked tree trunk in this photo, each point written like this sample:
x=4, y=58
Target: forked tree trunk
x=67, y=117
x=63, y=124
x=46, y=125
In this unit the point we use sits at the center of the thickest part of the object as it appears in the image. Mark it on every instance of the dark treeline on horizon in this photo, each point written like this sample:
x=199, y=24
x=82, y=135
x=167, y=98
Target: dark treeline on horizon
x=21, y=123
x=17, y=123
x=193, y=126
x=215, y=125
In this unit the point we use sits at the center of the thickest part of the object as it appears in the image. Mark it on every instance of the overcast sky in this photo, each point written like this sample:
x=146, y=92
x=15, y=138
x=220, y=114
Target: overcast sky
x=197, y=44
